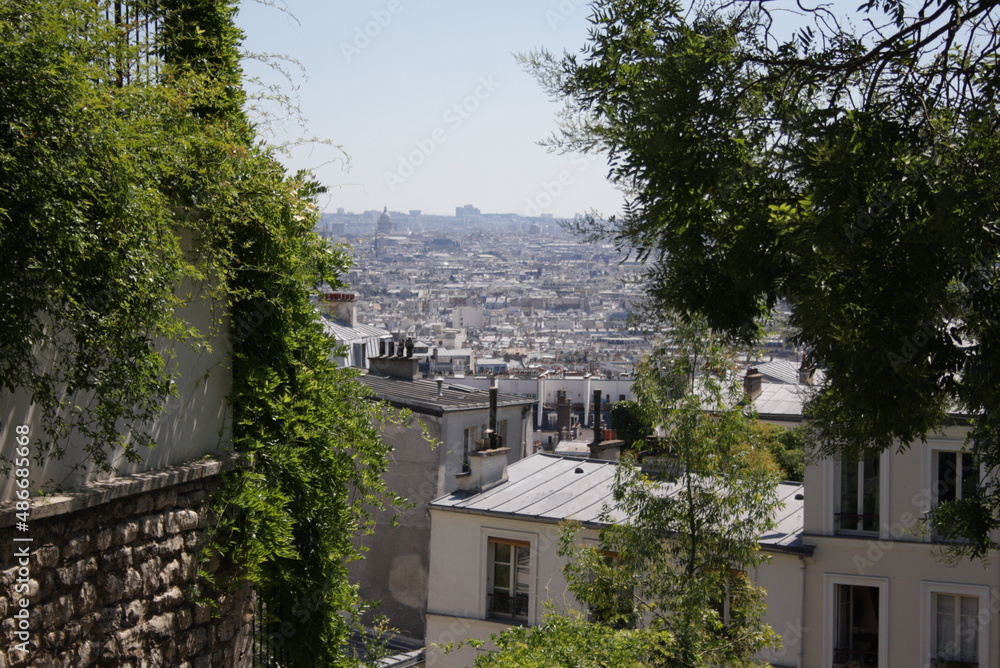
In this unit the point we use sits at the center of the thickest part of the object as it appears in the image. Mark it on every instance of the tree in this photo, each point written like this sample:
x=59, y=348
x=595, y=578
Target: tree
x=630, y=424
x=787, y=446
x=569, y=641
x=123, y=133
x=842, y=163
x=671, y=568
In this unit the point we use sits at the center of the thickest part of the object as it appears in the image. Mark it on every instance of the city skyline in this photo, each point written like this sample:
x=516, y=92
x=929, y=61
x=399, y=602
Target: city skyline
x=428, y=104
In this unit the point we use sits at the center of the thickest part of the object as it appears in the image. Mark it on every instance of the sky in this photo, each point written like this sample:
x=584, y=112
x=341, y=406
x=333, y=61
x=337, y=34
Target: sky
x=427, y=103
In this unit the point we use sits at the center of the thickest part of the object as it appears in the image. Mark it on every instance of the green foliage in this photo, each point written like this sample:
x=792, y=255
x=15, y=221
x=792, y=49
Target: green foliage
x=672, y=577
x=572, y=642
x=88, y=241
x=788, y=447
x=630, y=424
x=683, y=552
x=309, y=430
x=845, y=166
x=128, y=173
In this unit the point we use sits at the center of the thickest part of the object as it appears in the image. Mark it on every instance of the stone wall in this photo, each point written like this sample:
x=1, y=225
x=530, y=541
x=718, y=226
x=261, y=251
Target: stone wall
x=110, y=578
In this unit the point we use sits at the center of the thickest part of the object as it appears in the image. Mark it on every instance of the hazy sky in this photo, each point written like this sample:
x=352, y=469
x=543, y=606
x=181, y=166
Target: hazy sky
x=425, y=98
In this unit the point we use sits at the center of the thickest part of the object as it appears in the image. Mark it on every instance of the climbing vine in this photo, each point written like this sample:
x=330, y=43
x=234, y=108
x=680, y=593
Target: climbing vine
x=128, y=170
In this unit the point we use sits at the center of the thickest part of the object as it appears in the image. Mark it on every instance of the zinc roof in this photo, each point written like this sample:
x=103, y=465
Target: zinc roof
x=421, y=395
x=551, y=488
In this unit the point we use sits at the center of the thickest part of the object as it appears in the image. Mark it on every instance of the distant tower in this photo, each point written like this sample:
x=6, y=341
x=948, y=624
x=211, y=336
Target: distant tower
x=385, y=225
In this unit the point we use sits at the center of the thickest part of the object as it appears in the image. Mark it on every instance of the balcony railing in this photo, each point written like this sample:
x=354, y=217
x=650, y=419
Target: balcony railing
x=503, y=604
x=134, y=57
x=855, y=658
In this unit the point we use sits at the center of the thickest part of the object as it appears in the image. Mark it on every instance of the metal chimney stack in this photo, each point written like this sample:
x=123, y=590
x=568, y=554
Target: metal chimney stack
x=598, y=428
x=493, y=415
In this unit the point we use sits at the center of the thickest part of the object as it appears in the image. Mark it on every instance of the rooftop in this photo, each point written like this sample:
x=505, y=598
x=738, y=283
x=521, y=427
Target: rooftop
x=421, y=395
x=551, y=488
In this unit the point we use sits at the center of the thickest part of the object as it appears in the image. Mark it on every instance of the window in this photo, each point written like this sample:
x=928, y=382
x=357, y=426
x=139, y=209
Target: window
x=954, y=635
x=729, y=607
x=955, y=641
x=470, y=445
x=956, y=475
x=617, y=595
x=859, y=496
x=856, y=632
x=509, y=573
x=359, y=355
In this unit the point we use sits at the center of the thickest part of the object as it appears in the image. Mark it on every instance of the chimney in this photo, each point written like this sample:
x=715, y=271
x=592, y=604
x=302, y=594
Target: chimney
x=392, y=365
x=752, y=383
x=609, y=450
x=564, y=412
x=341, y=306
x=807, y=371
x=440, y=383
x=493, y=415
x=487, y=469
x=598, y=427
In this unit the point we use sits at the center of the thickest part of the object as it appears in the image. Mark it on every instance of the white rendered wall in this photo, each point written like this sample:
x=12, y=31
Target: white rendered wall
x=194, y=423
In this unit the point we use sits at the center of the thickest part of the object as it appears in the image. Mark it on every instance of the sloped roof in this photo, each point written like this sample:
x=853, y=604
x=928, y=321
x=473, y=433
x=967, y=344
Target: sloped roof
x=421, y=395
x=778, y=401
x=779, y=370
x=552, y=488
x=346, y=333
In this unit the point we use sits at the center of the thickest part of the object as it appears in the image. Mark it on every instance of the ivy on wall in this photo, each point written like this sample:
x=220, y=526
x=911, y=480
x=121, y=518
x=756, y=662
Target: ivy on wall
x=112, y=150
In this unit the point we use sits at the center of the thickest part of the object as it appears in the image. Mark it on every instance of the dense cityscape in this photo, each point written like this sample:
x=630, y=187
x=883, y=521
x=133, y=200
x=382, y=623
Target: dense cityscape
x=512, y=291
x=750, y=419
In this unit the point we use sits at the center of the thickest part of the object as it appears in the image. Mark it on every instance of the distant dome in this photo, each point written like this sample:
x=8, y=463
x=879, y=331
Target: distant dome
x=385, y=225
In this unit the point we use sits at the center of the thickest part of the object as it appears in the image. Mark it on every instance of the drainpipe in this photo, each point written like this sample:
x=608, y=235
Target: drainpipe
x=540, y=415
x=802, y=612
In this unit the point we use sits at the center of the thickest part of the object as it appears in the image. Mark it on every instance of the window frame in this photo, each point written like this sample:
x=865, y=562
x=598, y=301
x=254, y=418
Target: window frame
x=928, y=590
x=929, y=498
x=489, y=536
x=960, y=457
x=830, y=613
x=880, y=501
x=469, y=437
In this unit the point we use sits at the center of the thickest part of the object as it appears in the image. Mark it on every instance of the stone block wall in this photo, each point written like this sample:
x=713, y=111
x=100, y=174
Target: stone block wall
x=110, y=579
